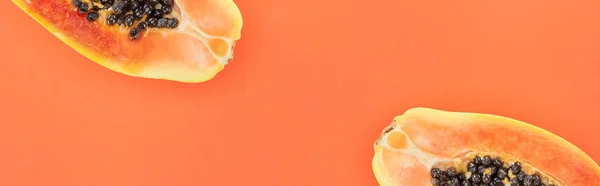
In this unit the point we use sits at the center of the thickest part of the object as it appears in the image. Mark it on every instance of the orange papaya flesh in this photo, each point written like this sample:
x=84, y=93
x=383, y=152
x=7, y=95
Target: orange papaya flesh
x=433, y=147
x=194, y=51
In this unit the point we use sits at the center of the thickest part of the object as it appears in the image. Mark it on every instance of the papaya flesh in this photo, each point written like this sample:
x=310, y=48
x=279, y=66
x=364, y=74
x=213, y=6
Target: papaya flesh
x=426, y=146
x=189, y=41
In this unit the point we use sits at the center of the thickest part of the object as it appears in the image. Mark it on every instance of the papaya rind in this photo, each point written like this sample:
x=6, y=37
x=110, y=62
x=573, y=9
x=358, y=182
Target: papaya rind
x=164, y=73
x=379, y=167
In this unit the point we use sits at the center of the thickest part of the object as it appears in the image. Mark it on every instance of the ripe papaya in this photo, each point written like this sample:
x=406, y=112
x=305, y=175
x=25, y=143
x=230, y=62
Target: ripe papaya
x=427, y=146
x=179, y=40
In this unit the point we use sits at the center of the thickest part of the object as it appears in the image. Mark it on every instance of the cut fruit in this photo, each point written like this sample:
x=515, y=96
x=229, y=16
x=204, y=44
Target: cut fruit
x=433, y=147
x=178, y=40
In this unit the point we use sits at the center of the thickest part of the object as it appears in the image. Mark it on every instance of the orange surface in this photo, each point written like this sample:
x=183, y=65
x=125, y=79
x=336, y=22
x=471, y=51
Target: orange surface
x=312, y=86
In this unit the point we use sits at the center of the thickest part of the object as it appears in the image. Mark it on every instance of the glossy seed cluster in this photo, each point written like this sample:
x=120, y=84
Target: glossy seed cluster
x=143, y=14
x=485, y=171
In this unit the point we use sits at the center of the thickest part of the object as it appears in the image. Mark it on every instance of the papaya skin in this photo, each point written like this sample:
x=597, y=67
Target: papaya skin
x=129, y=60
x=547, y=152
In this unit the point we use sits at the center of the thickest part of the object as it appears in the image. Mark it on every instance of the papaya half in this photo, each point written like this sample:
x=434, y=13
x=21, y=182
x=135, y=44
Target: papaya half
x=426, y=146
x=180, y=40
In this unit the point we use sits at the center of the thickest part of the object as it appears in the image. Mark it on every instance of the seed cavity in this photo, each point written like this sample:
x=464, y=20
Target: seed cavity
x=136, y=15
x=487, y=171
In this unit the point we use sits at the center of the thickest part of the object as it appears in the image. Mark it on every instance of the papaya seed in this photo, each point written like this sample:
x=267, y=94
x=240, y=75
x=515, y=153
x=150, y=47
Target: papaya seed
x=92, y=16
x=436, y=173
x=147, y=9
x=454, y=182
x=83, y=8
x=153, y=2
x=502, y=173
x=142, y=26
x=451, y=172
x=435, y=181
x=486, y=179
x=497, y=162
x=172, y=23
x=111, y=19
x=138, y=13
x=129, y=20
x=477, y=160
x=476, y=178
x=472, y=167
x=514, y=182
x=134, y=34
x=515, y=168
x=152, y=22
x=157, y=13
x=76, y=3
x=166, y=10
x=162, y=22
x=486, y=160
x=167, y=2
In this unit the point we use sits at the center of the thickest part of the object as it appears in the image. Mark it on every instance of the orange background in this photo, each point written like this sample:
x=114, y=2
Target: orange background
x=312, y=86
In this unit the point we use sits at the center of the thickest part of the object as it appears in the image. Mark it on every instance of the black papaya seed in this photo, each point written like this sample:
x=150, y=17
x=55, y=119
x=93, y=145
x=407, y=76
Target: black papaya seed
x=167, y=2
x=502, y=173
x=486, y=179
x=152, y=22
x=119, y=6
x=129, y=20
x=528, y=180
x=134, y=5
x=83, y=8
x=166, y=10
x=481, y=169
x=92, y=16
x=162, y=22
x=498, y=162
x=76, y=3
x=435, y=181
x=451, y=172
x=444, y=176
x=486, y=160
x=157, y=13
x=111, y=19
x=465, y=183
x=134, y=34
x=172, y=23
x=521, y=176
x=498, y=183
x=142, y=26
x=514, y=182
x=138, y=13
x=472, y=167
x=476, y=178
x=147, y=9
x=536, y=179
x=454, y=182
x=515, y=168
x=436, y=173
x=477, y=160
